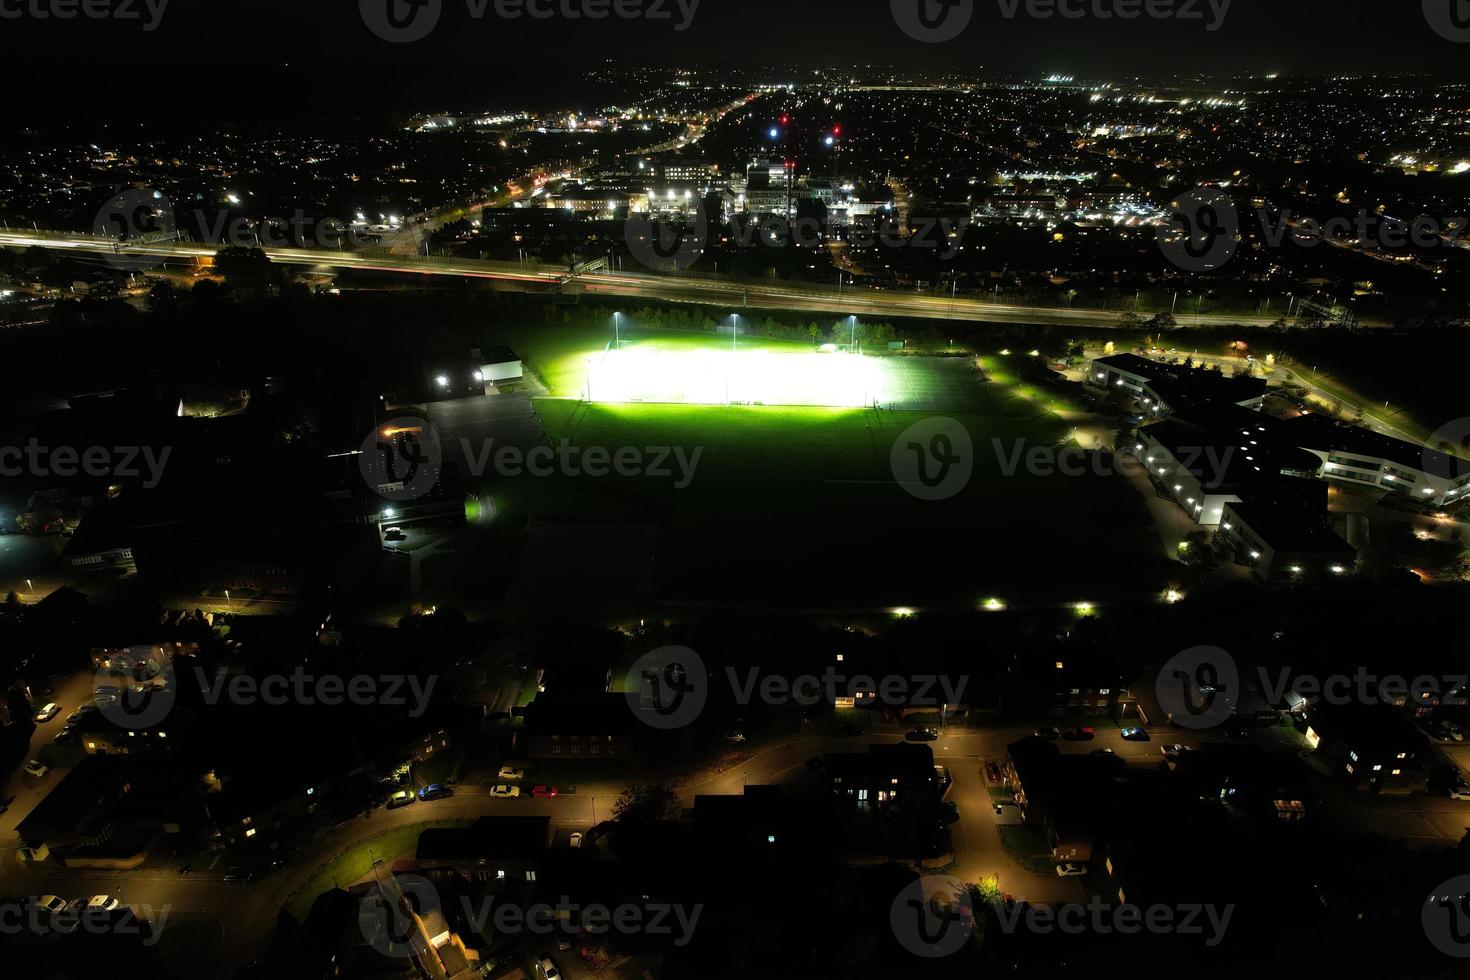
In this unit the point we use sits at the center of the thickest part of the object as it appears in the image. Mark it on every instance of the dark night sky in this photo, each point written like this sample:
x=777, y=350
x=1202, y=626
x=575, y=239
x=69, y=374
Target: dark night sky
x=230, y=58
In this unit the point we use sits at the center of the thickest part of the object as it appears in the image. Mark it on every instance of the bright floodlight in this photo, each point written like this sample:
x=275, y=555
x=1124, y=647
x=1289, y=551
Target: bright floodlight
x=721, y=377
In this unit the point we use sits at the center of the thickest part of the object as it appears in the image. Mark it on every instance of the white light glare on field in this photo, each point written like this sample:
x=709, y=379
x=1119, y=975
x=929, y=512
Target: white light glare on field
x=712, y=377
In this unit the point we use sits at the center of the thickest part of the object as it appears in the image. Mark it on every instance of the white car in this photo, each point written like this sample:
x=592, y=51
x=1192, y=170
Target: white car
x=505, y=792
x=47, y=712
x=511, y=772
x=1460, y=792
x=52, y=904
x=546, y=968
x=36, y=768
x=1071, y=869
x=97, y=903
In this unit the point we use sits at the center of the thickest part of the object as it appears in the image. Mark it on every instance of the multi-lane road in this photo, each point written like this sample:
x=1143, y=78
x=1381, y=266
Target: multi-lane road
x=869, y=302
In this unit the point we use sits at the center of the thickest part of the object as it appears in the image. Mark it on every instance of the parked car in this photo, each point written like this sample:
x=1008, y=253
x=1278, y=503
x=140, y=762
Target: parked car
x=37, y=769
x=951, y=811
x=1051, y=733
x=97, y=903
x=1071, y=869
x=505, y=792
x=435, y=791
x=239, y=877
x=510, y=773
x=394, y=534
x=735, y=735
x=992, y=772
x=47, y=712
x=545, y=792
x=1173, y=750
x=1081, y=733
x=51, y=904
x=401, y=798
x=76, y=716
x=65, y=737
x=1135, y=735
x=546, y=969
x=1105, y=752
x=575, y=840
x=1460, y=792
x=922, y=735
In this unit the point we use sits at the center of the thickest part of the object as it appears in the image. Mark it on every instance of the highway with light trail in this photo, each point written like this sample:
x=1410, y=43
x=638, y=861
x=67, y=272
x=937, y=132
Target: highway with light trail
x=671, y=288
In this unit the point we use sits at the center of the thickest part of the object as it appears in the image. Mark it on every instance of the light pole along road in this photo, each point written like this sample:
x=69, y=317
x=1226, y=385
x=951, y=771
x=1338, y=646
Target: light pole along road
x=673, y=288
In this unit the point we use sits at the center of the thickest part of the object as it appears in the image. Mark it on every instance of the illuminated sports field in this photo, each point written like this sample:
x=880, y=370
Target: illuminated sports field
x=648, y=373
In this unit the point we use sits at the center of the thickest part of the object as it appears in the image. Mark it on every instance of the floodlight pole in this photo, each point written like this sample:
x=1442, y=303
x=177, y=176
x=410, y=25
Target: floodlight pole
x=616, y=342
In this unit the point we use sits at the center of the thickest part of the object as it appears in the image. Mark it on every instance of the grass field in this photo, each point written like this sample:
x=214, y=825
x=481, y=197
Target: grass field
x=800, y=508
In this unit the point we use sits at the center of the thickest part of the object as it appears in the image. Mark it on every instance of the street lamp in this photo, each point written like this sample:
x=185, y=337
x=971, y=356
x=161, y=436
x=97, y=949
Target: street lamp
x=853, y=320
x=616, y=341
